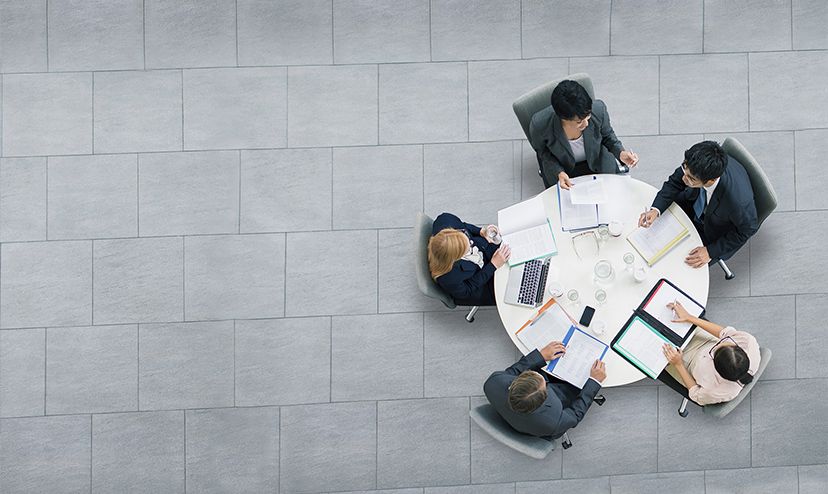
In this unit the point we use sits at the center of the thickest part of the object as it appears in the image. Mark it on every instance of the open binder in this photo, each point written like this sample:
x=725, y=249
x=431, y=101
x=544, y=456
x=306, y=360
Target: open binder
x=640, y=340
x=655, y=242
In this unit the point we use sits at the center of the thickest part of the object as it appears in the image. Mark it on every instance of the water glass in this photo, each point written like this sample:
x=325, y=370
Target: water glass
x=629, y=262
x=600, y=296
x=573, y=297
x=603, y=234
x=604, y=274
x=493, y=235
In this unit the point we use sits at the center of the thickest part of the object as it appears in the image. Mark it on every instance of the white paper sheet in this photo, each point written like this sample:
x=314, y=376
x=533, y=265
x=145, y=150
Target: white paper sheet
x=588, y=192
x=531, y=243
x=551, y=325
x=650, y=241
x=581, y=352
x=577, y=216
x=521, y=216
x=645, y=346
x=657, y=307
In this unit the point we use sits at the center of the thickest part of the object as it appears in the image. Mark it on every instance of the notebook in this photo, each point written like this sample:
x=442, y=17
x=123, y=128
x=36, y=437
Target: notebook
x=550, y=324
x=654, y=242
x=586, y=204
x=525, y=227
x=582, y=350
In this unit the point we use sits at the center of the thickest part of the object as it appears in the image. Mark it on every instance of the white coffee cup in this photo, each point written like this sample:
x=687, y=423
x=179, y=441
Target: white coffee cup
x=597, y=327
x=555, y=289
x=616, y=228
x=640, y=274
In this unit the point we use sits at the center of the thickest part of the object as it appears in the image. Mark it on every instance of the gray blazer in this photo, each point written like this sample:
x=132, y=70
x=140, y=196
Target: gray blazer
x=548, y=139
x=564, y=407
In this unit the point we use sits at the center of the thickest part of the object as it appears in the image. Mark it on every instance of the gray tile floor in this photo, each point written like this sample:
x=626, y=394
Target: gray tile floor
x=180, y=180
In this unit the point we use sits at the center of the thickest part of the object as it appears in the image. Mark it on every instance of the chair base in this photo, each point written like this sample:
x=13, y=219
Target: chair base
x=599, y=400
x=565, y=442
x=728, y=273
x=683, y=411
x=472, y=312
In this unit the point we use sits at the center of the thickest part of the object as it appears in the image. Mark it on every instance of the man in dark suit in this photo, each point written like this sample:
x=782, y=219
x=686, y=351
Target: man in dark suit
x=573, y=137
x=533, y=402
x=714, y=190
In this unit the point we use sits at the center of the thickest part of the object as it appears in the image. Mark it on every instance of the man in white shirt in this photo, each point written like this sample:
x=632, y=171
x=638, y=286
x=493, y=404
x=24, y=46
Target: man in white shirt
x=715, y=192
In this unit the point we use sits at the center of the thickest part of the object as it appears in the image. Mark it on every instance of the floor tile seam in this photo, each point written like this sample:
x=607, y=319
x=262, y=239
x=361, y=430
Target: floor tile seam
x=410, y=62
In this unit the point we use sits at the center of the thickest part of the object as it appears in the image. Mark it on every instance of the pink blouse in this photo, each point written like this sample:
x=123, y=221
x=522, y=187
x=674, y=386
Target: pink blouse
x=710, y=386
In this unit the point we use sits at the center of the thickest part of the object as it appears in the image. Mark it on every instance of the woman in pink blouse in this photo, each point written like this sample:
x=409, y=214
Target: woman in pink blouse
x=716, y=364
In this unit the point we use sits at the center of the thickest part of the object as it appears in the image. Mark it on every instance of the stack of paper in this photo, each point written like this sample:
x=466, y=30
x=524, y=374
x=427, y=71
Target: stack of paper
x=664, y=294
x=582, y=350
x=654, y=242
x=578, y=215
x=550, y=325
x=526, y=229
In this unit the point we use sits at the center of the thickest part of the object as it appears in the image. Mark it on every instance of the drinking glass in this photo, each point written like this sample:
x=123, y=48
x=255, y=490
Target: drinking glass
x=573, y=297
x=603, y=234
x=629, y=262
x=600, y=296
x=604, y=274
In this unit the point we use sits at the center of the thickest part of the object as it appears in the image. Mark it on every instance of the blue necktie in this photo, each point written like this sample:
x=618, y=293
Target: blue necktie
x=701, y=202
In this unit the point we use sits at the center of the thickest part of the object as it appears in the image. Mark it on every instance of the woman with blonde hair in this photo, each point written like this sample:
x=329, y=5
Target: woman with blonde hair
x=463, y=262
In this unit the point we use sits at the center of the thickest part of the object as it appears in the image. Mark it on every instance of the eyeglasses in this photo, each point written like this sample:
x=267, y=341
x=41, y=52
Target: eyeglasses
x=585, y=244
x=716, y=346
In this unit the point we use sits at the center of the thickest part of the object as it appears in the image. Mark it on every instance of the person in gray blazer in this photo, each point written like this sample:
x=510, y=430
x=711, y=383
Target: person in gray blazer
x=573, y=137
x=534, y=402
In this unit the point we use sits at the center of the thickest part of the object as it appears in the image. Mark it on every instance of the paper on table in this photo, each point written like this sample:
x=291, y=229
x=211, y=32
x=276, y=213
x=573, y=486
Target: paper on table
x=657, y=307
x=576, y=216
x=615, y=186
x=582, y=350
x=588, y=192
x=530, y=243
x=643, y=345
x=520, y=216
x=550, y=325
x=662, y=235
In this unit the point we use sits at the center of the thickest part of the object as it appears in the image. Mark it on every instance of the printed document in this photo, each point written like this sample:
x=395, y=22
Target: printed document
x=582, y=350
x=642, y=344
x=588, y=192
x=577, y=216
x=525, y=228
x=657, y=307
x=664, y=234
x=550, y=325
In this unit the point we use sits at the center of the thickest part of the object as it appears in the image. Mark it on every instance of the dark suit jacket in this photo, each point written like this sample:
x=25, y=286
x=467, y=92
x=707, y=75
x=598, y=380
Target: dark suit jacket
x=467, y=283
x=564, y=407
x=730, y=218
x=547, y=137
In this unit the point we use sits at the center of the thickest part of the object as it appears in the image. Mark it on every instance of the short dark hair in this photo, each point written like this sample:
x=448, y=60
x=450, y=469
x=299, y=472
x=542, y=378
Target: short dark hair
x=732, y=363
x=527, y=392
x=571, y=101
x=706, y=160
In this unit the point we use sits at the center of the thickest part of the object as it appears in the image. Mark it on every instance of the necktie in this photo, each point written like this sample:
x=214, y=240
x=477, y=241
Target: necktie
x=701, y=202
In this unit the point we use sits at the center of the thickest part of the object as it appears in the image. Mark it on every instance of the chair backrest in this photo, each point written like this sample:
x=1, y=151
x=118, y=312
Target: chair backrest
x=540, y=97
x=490, y=421
x=422, y=233
x=719, y=410
x=763, y=194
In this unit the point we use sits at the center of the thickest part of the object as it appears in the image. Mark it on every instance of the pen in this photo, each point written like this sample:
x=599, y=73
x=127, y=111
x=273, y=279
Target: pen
x=646, y=210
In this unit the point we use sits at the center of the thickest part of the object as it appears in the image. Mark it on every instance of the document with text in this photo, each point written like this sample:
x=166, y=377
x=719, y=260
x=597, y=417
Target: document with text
x=549, y=325
x=664, y=294
x=642, y=345
x=525, y=228
x=654, y=242
x=582, y=350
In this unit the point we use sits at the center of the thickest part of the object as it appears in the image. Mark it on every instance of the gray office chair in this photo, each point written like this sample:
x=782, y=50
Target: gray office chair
x=763, y=194
x=490, y=421
x=422, y=232
x=539, y=98
x=720, y=410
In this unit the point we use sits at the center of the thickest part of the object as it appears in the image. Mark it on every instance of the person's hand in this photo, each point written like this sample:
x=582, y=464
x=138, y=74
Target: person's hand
x=563, y=181
x=680, y=313
x=555, y=349
x=501, y=255
x=672, y=354
x=646, y=219
x=629, y=158
x=697, y=257
x=598, y=371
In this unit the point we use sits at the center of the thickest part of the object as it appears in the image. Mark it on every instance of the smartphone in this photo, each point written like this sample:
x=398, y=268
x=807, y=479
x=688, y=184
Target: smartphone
x=586, y=317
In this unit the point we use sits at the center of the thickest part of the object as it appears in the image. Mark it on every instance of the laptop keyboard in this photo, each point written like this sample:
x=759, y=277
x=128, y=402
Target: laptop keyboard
x=533, y=281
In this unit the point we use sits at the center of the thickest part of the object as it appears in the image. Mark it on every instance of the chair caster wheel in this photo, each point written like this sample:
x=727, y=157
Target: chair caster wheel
x=684, y=413
x=566, y=444
x=470, y=320
x=599, y=400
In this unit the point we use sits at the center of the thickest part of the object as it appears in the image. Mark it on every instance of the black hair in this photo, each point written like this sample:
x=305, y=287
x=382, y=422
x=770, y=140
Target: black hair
x=731, y=362
x=706, y=160
x=571, y=101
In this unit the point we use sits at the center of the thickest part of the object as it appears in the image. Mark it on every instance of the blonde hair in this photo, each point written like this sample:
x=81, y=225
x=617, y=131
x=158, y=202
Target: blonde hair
x=444, y=249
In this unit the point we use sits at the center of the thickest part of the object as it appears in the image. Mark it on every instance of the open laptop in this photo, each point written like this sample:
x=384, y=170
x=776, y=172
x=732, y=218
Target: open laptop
x=526, y=283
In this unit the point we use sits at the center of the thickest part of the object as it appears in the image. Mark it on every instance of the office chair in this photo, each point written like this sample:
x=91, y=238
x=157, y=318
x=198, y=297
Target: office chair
x=763, y=194
x=422, y=233
x=720, y=410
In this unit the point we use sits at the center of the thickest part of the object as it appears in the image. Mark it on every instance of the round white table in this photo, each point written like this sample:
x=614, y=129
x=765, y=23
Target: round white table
x=629, y=197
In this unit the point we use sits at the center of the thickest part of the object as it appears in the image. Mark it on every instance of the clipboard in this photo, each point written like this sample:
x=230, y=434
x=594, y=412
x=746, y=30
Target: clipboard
x=579, y=376
x=531, y=325
x=640, y=315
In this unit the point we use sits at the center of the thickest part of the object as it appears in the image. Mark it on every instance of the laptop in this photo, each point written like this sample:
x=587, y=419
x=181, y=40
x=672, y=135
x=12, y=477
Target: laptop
x=526, y=283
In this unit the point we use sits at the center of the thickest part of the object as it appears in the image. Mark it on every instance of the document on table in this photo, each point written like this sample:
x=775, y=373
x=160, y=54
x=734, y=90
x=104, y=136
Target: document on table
x=665, y=233
x=588, y=192
x=526, y=229
x=642, y=345
x=656, y=306
x=550, y=325
x=582, y=350
x=576, y=216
